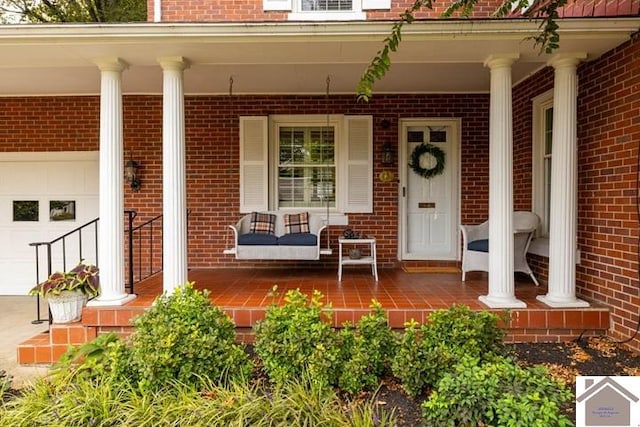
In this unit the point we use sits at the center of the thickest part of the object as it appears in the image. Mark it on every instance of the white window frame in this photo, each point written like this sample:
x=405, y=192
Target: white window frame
x=541, y=103
x=356, y=13
x=317, y=120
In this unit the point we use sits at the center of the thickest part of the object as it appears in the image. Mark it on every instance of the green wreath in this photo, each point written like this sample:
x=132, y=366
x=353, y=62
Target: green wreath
x=437, y=153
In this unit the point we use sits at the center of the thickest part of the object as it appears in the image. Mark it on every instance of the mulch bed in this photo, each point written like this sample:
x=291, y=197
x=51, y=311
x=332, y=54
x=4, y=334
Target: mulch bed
x=588, y=356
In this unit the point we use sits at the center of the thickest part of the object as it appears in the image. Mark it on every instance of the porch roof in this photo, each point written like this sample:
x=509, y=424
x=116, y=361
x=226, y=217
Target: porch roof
x=436, y=56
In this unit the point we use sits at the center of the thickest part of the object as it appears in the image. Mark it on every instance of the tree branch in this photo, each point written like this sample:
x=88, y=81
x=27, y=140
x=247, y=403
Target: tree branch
x=547, y=39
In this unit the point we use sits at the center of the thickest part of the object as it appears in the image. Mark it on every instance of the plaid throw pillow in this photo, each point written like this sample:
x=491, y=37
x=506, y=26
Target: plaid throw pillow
x=296, y=223
x=262, y=223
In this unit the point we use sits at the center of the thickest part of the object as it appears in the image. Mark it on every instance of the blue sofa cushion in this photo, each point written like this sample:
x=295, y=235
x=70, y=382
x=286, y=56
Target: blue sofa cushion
x=298, y=239
x=257, y=239
x=479, y=245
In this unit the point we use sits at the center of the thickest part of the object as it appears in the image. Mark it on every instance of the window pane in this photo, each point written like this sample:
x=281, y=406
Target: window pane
x=548, y=130
x=306, y=187
x=26, y=210
x=547, y=192
x=306, y=173
x=310, y=5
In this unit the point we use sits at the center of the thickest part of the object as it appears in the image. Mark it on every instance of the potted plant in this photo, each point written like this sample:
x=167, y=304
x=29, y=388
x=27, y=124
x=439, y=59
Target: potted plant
x=67, y=293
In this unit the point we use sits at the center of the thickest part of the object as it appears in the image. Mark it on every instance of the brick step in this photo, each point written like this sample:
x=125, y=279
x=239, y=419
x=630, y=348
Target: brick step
x=47, y=347
x=524, y=325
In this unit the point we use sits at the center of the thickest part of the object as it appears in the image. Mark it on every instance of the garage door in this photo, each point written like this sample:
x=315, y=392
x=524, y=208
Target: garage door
x=43, y=196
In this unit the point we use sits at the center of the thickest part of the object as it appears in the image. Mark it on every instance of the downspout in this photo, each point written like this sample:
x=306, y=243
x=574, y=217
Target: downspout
x=157, y=10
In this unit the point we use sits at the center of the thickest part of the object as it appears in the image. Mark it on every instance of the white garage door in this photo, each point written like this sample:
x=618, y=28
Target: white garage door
x=43, y=196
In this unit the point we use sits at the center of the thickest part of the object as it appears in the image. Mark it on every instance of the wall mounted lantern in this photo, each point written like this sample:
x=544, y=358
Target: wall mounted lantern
x=387, y=153
x=131, y=175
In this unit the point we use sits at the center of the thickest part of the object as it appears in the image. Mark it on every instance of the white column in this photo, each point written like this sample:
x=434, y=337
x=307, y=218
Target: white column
x=174, y=207
x=564, y=189
x=111, y=224
x=501, y=282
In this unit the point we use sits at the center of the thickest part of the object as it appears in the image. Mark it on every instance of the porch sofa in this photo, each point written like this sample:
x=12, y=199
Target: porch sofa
x=276, y=235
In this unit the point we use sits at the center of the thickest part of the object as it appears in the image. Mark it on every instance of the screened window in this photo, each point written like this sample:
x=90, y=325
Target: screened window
x=306, y=167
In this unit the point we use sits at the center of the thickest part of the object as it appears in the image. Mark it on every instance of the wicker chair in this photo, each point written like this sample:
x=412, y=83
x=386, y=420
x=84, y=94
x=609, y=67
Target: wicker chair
x=475, y=240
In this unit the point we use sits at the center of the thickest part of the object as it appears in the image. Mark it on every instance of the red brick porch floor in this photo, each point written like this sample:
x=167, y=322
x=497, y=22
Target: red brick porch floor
x=244, y=295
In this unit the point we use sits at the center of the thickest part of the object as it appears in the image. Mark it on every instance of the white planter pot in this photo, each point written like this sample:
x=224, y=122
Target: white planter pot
x=66, y=307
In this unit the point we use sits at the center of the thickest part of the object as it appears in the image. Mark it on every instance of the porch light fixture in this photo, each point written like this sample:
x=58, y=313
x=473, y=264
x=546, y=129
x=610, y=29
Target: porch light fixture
x=131, y=175
x=387, y=153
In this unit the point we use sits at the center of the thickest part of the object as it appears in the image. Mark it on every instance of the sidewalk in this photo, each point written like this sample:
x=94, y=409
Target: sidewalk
x=16, y=314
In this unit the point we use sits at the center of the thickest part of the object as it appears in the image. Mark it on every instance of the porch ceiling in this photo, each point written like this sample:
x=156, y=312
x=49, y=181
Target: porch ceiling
x=284, y=58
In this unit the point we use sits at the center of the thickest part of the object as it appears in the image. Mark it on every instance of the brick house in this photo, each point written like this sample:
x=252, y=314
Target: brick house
x=209, y=100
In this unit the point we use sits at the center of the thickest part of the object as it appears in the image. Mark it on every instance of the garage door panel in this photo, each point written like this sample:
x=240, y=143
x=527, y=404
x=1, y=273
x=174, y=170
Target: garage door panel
x=22, y=178
x=19, y=247
x=17, y=278
x=70, y=178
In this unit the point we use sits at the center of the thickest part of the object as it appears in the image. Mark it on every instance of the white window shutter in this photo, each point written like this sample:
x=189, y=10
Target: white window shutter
x=376, y=4
x=358, y=164
x=254, y=165
x=276, y=4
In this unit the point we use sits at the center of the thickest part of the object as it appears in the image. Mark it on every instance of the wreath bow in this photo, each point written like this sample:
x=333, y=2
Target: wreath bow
x=437, y=154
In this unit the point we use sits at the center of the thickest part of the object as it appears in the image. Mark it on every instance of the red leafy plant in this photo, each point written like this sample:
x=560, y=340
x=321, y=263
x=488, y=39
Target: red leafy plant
x=82, y=278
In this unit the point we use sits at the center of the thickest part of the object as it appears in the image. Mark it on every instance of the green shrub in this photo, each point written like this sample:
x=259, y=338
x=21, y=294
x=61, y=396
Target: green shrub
x=366, y=351
x=182, y=337
x=497, y=393
x=294, y=338
x=104, y=356
x=427, y=352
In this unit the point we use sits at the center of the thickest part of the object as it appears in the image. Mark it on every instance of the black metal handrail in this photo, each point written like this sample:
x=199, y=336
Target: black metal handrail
x=148, y=261
x=77, y=233
x=63, y=241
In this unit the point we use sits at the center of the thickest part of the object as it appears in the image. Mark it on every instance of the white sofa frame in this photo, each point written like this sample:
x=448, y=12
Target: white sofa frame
x=524, y=225
x=317, y=223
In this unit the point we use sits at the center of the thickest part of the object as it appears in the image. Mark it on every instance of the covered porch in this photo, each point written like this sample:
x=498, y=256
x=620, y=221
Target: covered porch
x=244, y=293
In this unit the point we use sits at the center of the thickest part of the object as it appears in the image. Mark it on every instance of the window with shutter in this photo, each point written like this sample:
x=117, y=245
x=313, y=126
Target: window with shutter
x=314, y=164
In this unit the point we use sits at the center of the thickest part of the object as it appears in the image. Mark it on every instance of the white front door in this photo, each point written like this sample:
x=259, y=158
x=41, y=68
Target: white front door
x=43, y=196
x=429, y=206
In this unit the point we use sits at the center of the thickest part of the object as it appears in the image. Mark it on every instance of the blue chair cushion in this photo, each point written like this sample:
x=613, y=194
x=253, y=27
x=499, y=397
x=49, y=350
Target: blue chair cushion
x=298, y=239
x=257, y=239
x=479, y=245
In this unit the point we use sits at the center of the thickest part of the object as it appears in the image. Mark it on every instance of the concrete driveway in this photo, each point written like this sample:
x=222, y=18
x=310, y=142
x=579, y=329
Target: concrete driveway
x=16, y=314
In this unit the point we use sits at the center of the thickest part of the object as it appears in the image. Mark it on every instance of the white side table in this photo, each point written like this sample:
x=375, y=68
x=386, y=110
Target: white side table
x=370, y=259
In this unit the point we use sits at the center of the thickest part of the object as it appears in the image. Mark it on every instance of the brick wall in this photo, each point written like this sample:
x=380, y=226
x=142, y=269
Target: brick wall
x=211, y=130
x=608, y=223
x=49, y=124
x=251, y=11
